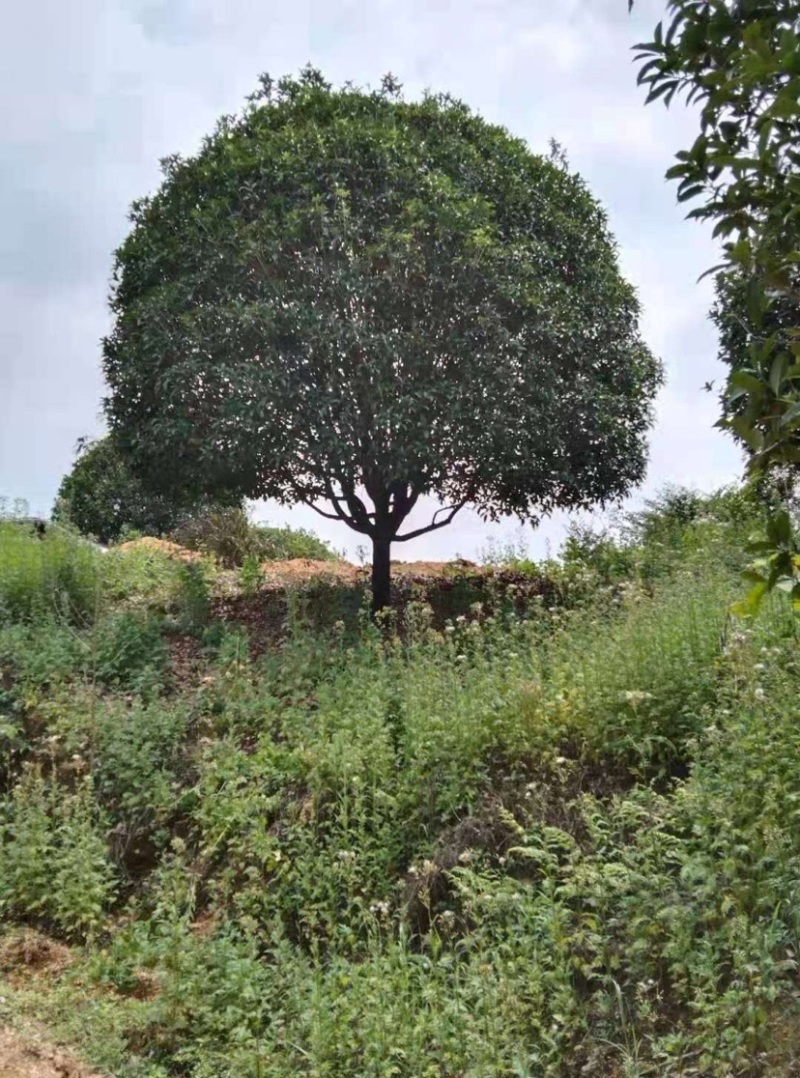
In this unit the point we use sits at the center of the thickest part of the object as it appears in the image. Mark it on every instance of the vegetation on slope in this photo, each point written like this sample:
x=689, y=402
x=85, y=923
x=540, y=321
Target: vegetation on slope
x=551, y=844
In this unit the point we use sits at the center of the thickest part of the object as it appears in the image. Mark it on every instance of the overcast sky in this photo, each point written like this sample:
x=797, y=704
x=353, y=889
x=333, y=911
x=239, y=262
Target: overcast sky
x=94, y=92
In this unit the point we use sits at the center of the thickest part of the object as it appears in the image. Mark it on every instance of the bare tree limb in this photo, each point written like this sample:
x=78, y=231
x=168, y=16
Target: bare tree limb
x=451, y=510
x=322, y=513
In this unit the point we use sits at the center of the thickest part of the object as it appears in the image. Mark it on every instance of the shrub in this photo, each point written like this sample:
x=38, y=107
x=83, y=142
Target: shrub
x=125, y=647
x=192, y=599
x=54, y=866
x=229, y=536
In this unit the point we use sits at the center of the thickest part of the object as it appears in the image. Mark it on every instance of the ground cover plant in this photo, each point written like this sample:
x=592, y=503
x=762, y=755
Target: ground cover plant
x=548, y=841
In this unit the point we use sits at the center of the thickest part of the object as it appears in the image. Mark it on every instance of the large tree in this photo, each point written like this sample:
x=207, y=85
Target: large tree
x=349, y=299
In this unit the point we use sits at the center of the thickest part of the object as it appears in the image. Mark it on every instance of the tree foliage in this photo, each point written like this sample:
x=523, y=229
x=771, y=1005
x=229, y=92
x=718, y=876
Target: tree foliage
x=740, y=62
x=101, y=497
x=741, y=333
x=350, y=299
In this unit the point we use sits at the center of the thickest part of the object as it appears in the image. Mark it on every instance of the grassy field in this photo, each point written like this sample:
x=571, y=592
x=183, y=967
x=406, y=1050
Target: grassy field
x=551, y=841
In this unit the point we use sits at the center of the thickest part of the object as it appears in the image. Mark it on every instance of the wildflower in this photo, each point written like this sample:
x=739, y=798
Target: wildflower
x=759, y=693
x=347, y=857
x=449, y=628
x=760, y=667
x=635, y=697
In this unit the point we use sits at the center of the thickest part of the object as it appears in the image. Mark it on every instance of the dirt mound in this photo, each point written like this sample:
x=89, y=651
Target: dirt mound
x=300, y=570
x=30, y=954
x=23, y=1057
x=279, y=574
x=434, y=569
x=160, y=546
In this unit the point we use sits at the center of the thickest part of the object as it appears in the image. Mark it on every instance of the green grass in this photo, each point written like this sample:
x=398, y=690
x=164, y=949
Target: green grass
x=559, y=845
x=54, y=575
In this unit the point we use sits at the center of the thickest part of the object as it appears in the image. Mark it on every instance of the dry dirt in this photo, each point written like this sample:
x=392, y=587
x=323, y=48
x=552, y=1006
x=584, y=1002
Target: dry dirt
x=300, y=570
x=280, y=574
x=26, y=1057
x=161, y=546
x=25, y=958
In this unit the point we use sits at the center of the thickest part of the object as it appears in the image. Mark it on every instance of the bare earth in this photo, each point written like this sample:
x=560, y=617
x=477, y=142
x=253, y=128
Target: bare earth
x=23, y=1058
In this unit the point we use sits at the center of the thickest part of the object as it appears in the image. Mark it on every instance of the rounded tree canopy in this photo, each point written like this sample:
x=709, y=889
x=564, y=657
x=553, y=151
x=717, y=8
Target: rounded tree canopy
x=347, y=294
x=102, y=498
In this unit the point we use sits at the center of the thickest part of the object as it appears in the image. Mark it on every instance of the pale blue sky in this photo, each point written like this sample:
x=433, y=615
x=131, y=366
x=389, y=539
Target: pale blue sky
x=94, y=92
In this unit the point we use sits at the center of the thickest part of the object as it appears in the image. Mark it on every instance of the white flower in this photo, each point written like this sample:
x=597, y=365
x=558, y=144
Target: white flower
x=634, y=696
x=759, y=693
x=760, y=666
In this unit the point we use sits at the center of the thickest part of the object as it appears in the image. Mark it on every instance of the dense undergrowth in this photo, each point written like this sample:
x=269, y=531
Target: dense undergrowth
x=560, y=843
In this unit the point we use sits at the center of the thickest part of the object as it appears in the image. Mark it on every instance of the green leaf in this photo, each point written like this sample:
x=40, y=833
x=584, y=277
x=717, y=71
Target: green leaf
x=779, y=528
x=750, y=605
x=746, y=380
x=778, y=372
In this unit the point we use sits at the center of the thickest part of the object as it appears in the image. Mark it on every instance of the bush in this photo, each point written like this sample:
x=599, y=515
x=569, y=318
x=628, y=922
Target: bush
x=124, y=648
x=192, y=599
x=54, y=866
x=229, y=536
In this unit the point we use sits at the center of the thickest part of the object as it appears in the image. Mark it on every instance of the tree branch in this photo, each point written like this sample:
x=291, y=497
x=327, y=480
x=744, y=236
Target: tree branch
x=434, y=524
x=363, y=526
x=322, y=513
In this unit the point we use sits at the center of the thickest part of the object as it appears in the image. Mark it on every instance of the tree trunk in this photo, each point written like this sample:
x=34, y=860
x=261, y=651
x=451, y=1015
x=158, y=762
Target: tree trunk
x=381, y=576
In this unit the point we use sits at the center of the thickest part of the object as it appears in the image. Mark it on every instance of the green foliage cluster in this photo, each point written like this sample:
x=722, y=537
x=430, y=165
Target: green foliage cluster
x=545, y=845
x=54, y=863
x=740, y=62
x=102, y=498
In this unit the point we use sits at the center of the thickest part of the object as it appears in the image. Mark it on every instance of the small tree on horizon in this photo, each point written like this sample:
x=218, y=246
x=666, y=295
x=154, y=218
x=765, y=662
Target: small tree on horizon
x=101, y=497
x=349, y=299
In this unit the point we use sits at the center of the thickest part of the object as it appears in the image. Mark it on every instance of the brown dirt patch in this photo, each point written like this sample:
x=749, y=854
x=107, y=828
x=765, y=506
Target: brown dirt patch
x=299, y=570
x=24, y=1057
x=160, y=546
x=30, y=954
